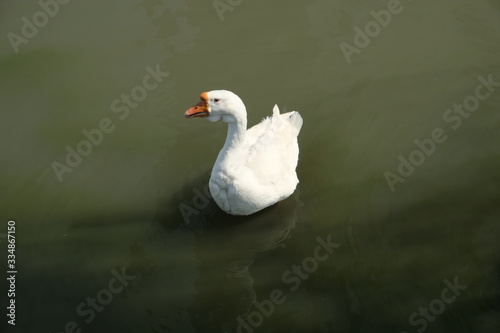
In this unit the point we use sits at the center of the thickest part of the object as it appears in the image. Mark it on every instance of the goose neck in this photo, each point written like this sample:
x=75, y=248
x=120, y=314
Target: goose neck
x=235, y=133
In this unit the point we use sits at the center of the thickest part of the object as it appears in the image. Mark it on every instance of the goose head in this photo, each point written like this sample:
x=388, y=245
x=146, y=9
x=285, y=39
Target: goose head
x=218, y=105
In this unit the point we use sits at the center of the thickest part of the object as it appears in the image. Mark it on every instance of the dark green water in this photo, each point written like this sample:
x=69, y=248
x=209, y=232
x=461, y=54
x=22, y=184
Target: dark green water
x=399, y=166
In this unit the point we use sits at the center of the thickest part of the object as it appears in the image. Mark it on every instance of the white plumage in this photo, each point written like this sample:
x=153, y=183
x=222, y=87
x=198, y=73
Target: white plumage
x=256, y=167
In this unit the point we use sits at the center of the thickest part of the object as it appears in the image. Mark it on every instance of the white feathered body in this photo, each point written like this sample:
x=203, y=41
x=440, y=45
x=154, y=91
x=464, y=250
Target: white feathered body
x=260, y=171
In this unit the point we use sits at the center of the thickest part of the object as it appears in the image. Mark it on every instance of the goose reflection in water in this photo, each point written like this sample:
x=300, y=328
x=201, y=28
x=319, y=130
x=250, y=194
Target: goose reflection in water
x=226, y=247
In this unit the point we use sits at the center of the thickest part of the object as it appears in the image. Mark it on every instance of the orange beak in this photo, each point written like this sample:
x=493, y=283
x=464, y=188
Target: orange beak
x=200, y=109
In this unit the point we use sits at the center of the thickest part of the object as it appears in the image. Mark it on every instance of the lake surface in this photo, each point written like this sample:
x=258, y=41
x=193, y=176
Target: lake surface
x=394, y=226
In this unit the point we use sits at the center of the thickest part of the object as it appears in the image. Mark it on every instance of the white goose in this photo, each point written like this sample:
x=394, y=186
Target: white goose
x=256, y=167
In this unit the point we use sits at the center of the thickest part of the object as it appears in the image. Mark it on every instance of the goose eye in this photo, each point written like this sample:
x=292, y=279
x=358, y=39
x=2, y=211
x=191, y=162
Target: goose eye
x=216, y=100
